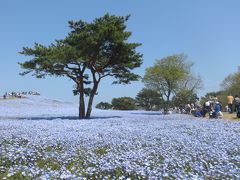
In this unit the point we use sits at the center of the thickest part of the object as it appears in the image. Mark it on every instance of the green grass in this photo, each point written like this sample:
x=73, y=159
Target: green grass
x=231, y=116
x=19, y=176
x=101, y=151
x=51, y=163
x=226, y=115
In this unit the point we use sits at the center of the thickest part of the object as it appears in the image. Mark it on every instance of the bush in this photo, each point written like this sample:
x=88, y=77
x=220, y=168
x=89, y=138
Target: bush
x=104, y=105
x=124, y=103
x=184, y=97
x=149, y=99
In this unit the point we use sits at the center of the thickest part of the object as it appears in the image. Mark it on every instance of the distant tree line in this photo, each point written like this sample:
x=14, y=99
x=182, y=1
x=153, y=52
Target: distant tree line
x=151, y=99
x=168, y=83
x=143, y=100
x=146, y=99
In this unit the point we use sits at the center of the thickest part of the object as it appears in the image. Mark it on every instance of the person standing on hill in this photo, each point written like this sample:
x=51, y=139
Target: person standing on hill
x=230, y=103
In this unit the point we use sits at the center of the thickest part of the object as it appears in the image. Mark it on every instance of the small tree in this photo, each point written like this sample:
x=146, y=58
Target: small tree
x=124, y=103
x=149, y=99
x=104, y=105
x=90, y=52
x=167, y=74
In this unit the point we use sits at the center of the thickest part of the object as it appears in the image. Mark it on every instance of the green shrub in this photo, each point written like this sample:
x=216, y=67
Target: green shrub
x=124, y=103
x=104, y=105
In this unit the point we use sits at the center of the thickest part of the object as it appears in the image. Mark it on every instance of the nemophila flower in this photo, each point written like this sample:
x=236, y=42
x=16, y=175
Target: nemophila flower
x=135, y=144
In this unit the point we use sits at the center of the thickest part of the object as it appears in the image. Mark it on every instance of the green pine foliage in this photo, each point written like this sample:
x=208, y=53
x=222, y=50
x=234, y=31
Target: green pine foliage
x=89, y=53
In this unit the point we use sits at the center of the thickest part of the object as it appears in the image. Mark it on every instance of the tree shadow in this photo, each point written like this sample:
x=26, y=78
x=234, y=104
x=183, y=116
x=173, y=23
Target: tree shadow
x=149, y=113
x=105, y=117
x=37, y=118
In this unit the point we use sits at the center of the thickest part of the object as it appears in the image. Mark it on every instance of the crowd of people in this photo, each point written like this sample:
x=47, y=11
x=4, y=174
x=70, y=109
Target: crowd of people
x=213, y=108
x=19, y=94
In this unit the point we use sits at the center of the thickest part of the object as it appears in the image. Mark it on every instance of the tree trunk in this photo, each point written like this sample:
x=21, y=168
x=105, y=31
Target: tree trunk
x=81, y=106
x=81, y=99
x=90, y=101
x=167, y=105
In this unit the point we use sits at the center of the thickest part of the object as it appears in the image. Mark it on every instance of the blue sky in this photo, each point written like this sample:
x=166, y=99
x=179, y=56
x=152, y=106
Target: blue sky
x=207, y=31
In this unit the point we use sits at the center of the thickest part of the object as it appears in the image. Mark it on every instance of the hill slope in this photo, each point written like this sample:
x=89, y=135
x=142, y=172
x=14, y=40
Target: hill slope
x=36, y=106
x=44, y=140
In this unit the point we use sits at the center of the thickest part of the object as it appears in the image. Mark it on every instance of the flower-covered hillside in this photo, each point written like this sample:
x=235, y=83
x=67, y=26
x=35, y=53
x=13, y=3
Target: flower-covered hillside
x=42, y=138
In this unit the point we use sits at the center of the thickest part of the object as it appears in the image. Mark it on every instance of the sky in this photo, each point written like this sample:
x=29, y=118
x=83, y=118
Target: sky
x=208, y=32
